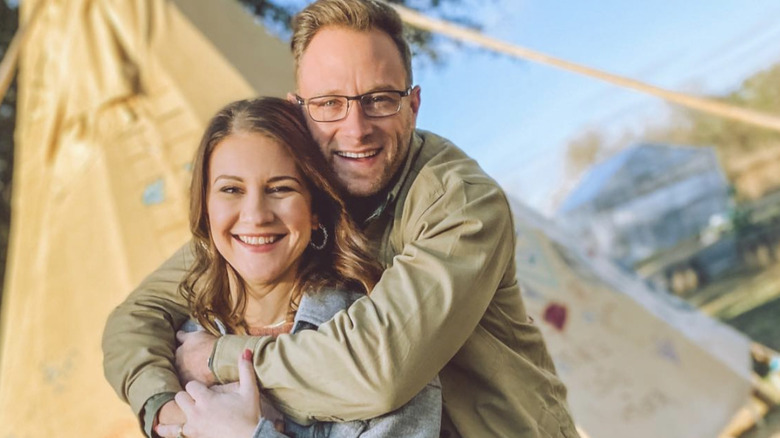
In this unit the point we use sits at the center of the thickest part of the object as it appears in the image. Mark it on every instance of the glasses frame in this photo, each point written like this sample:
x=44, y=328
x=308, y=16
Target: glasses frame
x=305, y=103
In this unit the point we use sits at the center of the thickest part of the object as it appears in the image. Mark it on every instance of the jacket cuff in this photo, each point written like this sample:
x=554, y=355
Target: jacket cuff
x=224, y=358
x=148, y=384
x=151, y=408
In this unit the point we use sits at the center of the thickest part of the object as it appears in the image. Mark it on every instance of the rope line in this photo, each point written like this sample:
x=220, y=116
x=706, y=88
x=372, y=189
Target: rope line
x=711, y=106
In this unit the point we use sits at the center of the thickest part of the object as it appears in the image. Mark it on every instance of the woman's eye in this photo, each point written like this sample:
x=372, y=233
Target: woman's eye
x=280, y=189
x=229, y=189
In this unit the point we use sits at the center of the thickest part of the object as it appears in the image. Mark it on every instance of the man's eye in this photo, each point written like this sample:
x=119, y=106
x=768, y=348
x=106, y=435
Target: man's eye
x=380, y=98
x=328, y=103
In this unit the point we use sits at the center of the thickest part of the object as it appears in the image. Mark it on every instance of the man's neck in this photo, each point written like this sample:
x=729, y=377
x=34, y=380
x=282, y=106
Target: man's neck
x=361, y=208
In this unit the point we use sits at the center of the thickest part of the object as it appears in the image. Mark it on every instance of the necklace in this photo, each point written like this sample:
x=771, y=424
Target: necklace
x=277, y=324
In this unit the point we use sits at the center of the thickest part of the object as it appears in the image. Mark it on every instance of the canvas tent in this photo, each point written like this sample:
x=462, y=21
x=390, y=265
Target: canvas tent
x=113, y=97
x=638, y=362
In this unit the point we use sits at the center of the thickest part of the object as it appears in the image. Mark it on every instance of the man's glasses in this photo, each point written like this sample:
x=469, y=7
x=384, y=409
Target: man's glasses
x=333, y=108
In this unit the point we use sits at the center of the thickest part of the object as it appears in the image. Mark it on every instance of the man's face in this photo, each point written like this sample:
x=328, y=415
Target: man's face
x=364, y=152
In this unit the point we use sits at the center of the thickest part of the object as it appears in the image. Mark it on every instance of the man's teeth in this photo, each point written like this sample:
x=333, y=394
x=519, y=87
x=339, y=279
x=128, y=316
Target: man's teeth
x=357, y=154
x=258, y=240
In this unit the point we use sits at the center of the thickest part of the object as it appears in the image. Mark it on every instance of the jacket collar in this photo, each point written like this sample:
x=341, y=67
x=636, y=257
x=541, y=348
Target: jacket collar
x=316, y=308
x=399, y=179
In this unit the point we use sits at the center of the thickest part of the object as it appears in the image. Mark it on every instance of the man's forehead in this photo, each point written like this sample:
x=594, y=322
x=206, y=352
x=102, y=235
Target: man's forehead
x=340, y=60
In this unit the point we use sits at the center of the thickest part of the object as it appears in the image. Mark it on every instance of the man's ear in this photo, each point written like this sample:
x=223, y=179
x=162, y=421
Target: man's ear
x=415, y=99
x=291, y=98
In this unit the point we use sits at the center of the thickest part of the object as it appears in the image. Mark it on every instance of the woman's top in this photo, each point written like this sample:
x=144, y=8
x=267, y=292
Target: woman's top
x=419, y=418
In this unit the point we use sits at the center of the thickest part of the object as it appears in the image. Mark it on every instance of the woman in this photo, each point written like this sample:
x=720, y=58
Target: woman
x=276, y=252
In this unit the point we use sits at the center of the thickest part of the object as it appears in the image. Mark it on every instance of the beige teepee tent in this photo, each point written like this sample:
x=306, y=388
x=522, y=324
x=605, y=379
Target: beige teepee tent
x=638, y=362
x=113, y=98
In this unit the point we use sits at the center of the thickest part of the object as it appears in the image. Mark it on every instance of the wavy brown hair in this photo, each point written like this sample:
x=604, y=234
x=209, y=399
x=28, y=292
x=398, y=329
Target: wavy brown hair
x=345, y=261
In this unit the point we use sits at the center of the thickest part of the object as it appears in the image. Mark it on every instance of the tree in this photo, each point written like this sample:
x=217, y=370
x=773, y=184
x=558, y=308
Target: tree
x=583, y=151
x=760, y=92
x=730, y=138
x=277, y=14
x=9, y=22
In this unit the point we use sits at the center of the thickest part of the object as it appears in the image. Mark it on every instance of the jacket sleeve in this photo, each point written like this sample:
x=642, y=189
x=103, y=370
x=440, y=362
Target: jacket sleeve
x=139, y=339
x=373, y=358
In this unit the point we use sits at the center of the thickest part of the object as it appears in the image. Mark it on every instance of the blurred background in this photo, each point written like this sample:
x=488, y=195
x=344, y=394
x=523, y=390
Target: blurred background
x=648, y=232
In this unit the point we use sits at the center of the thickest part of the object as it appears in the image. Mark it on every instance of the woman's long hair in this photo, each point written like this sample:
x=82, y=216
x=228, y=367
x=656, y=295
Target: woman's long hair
x=345, y=261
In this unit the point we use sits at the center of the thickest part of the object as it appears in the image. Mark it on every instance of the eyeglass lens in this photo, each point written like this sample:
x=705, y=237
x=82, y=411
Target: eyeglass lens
x=332, y=108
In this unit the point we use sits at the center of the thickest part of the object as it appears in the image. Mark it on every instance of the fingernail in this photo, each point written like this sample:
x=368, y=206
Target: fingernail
x=247, y=354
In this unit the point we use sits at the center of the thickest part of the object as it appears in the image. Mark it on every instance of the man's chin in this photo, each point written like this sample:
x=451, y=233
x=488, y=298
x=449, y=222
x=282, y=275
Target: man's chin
x=362, y=188
x=361, y=193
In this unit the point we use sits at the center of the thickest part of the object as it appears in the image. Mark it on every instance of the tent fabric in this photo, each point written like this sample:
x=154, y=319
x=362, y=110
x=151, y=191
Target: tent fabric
x=638, y=362
x=114, y=96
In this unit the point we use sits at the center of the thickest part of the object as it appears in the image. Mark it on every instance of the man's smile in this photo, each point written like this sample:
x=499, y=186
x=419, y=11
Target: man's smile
x=358, y=155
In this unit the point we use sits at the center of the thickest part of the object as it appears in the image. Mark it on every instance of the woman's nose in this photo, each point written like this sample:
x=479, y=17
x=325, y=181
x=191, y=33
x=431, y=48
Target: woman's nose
x=257, y=209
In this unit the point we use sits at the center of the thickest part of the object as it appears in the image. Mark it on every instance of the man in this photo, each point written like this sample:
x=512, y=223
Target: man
x=448, y=302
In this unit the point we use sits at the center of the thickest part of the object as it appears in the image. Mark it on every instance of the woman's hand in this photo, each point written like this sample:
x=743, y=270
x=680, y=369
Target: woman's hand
x=169, y=420
x=231, y=410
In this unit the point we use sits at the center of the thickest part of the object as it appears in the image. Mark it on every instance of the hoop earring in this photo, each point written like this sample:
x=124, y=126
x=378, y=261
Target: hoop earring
x=324, y=238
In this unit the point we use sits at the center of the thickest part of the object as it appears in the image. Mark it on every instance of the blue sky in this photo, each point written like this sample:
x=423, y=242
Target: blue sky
x=516, y=117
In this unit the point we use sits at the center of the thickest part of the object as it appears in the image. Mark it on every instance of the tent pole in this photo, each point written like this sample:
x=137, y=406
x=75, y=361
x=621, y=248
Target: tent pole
x=11, y=57
x=706, y=105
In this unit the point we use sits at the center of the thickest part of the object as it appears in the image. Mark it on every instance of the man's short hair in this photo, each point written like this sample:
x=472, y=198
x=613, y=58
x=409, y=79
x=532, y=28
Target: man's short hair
x=358, y=15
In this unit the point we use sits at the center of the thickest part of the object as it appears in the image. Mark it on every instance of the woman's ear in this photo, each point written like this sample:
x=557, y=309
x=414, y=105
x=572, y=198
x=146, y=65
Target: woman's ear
x=315, y=221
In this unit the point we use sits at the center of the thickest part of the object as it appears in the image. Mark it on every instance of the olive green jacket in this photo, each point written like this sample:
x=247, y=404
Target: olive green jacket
x=448, y=303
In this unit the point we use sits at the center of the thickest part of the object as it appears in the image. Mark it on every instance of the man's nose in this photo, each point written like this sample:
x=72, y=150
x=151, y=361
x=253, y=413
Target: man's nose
x=356, y=124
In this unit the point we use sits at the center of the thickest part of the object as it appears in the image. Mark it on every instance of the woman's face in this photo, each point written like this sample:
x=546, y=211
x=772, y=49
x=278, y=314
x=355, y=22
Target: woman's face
x=259, y=209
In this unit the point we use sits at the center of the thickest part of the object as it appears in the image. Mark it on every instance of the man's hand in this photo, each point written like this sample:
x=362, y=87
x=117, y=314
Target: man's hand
x=192, y=357
x=231, y=410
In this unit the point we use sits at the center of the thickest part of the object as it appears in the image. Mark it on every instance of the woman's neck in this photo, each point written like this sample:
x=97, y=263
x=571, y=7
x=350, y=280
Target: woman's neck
x=266, y=304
